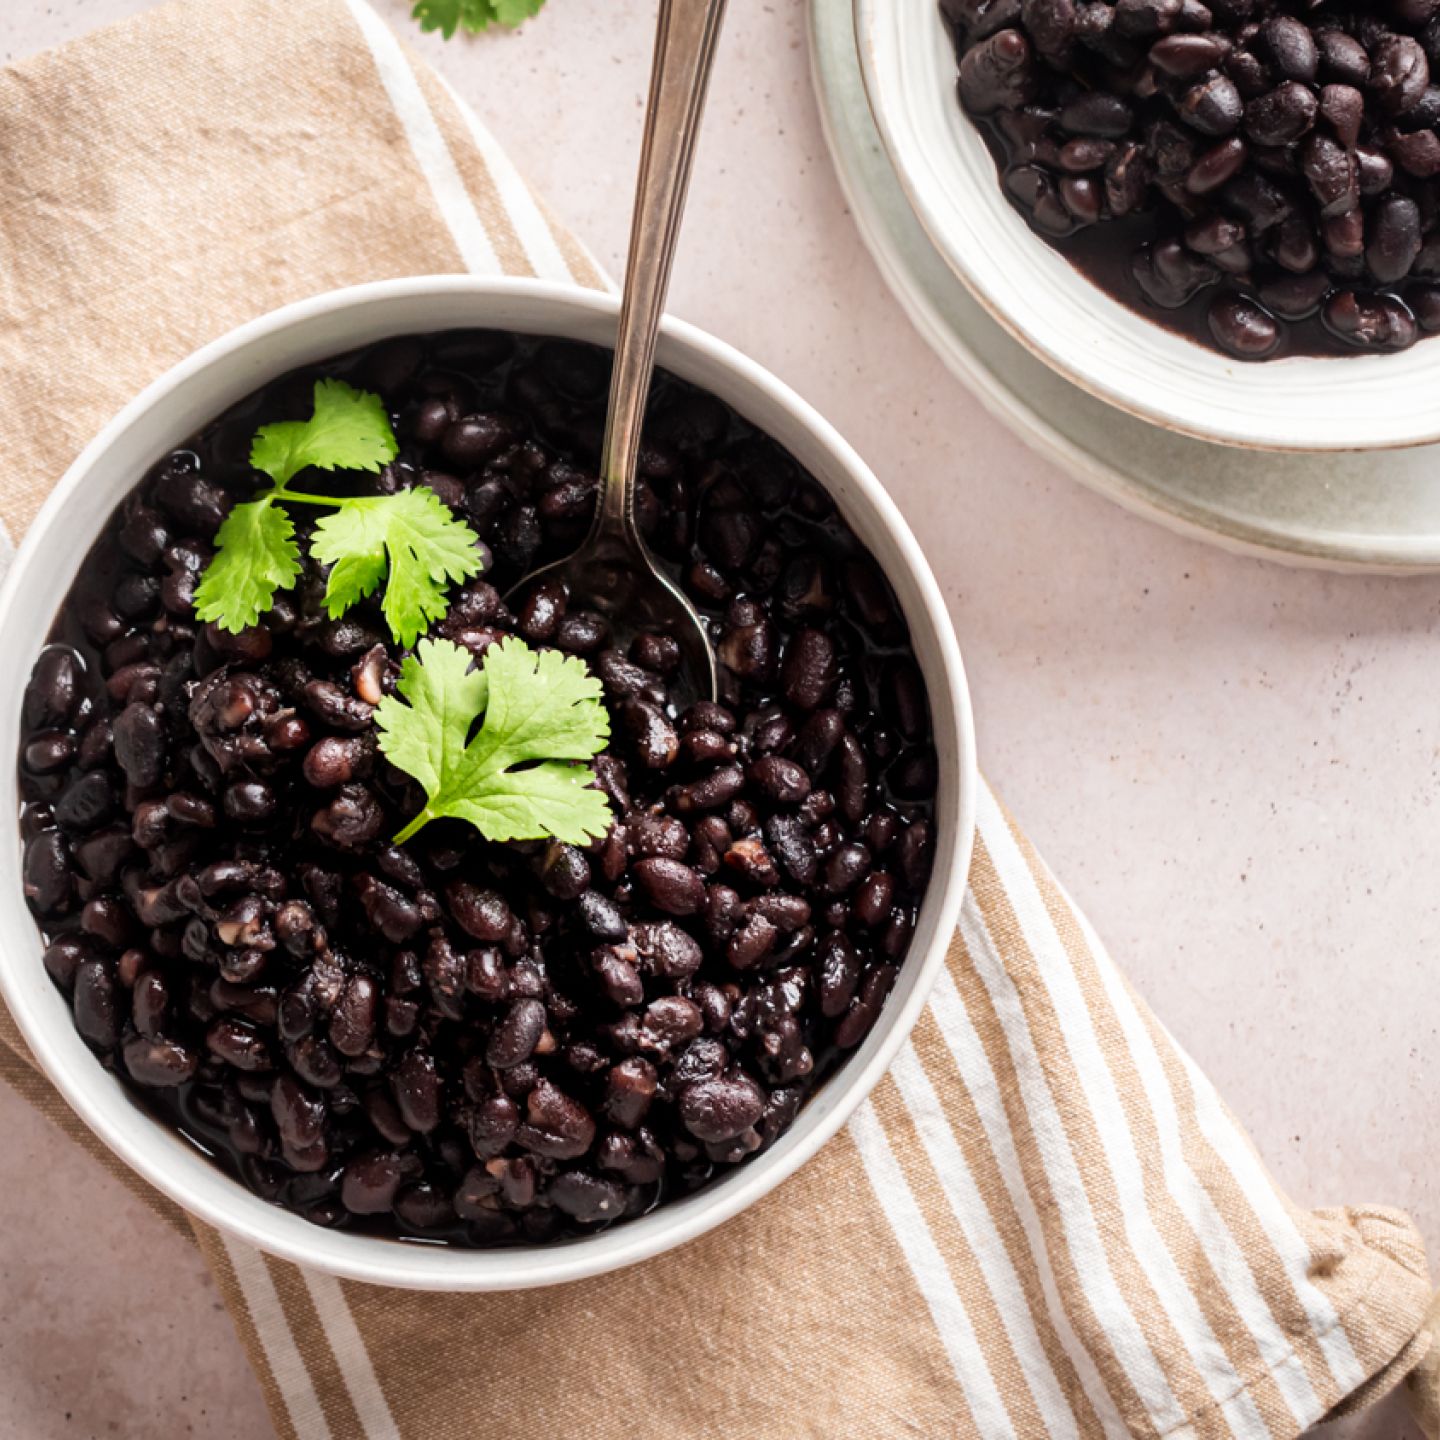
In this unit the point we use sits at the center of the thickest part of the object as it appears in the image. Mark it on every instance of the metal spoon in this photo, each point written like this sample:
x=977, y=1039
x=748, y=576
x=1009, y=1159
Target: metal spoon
x=613, y=571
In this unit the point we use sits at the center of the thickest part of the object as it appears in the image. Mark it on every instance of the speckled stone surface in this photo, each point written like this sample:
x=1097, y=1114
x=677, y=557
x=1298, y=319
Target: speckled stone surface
x=1233, y=767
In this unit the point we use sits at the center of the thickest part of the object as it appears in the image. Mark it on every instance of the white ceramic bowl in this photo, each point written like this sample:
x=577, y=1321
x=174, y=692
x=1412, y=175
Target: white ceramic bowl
x=199, y=389
x=1351, y=402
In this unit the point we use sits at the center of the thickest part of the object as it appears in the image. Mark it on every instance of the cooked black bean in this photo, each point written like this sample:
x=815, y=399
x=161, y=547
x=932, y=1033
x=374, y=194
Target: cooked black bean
x=48, y=879
x=555, y=1126
x=54, y=689
x=352, y=1021
x=352, y=819
x=865, y=1008
x=416, y=1085
x=299, y=1115
x=651, y=735
x=98, y=1014
x=601, y=916
x=670, y=885
x=482, y=972
x=63, y=957
x=779, y=780
x=370, y=1183
x=335, y=759
x=564, y=871
x=239, y=1045
x=475, y=1042
x=159, y=1063
x=723, y=1107
x=493, y=1124
x=515, y=1037
x=481, y=913
x=139, y=739
x=394, y=915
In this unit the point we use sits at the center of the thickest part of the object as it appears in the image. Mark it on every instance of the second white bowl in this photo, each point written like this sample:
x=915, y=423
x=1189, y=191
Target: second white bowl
x=1347, y=402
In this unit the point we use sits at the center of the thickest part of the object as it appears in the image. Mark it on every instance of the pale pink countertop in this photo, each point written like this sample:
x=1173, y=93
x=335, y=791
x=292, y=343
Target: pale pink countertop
x=1232, y=766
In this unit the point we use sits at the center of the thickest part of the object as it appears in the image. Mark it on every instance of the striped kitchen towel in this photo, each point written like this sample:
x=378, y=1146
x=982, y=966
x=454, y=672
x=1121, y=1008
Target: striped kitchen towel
x=1044, y=1221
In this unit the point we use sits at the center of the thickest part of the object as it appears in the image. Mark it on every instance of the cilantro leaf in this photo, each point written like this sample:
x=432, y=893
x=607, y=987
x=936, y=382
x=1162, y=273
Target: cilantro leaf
x=447, y=16
x=348, y=431
x=542, y=714
x=255, y=555
x=424, y=543
x=412, y=534
x=513, y=12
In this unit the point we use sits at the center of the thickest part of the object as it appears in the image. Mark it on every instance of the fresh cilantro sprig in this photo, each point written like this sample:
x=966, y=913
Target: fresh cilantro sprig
x=410, y=536
x=447, y=16
x=521, y=776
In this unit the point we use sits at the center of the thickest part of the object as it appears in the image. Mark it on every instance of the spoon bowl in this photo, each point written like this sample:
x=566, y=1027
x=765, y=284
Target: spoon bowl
x=635, y=595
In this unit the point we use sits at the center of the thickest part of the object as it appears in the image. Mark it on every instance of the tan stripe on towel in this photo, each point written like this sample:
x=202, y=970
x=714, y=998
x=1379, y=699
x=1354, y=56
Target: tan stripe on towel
x=473, y=171
x=314, y=1346
x=1095, y=1329
x=217, y=1257
x=1204, y=1268
x=995, y=1351
x=965, y=1122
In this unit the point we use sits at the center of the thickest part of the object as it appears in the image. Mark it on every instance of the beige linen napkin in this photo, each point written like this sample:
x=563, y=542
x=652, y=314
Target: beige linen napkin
x=1044, y=1221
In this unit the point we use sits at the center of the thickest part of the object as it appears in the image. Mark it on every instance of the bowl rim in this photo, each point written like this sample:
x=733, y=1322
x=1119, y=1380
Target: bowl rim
x=91, y=1091
x=1308, y=423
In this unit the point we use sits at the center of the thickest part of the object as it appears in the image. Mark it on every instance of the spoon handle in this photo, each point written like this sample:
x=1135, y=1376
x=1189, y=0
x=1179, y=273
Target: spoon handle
x=685, y=38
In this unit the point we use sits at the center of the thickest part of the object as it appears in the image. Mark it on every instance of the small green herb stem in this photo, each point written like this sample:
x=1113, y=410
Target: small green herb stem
x=422, y=819
x=338, y=501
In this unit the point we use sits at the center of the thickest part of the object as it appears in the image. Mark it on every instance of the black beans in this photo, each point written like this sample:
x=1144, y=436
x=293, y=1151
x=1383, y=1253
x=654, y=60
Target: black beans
x=718, y=788
x=335, y=760
x=87, y=802
x=564, y=871
x=670, y=886
x=352, y=1022
x=416, y=1085
x=666, y=950
x=352, y=819
x=481, y=913
x=1394, y=238
x=299, y=1114
x=556, y=1126
x=779, y=780
x=516, y=1036
x=139, y=741
x=475, y=1042
x=808, y=671
x=473, y=439
x=1200, y=119
x=48, y=880
x=1370, y=323
x=721, y=1108
x=651, y=734
x=97, y=1006
x=997, y=73
x=159, y=1063
x=393, y=914
x=54, y=688
x=370, y=1183
x=874, y=898
x=249, y=802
